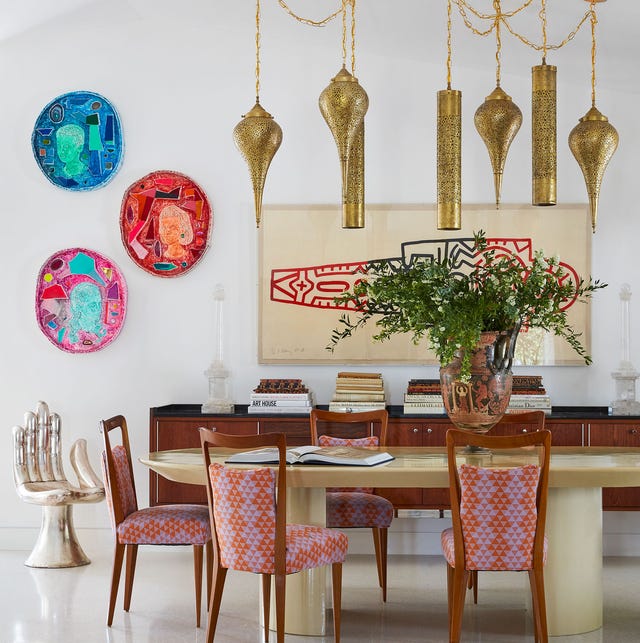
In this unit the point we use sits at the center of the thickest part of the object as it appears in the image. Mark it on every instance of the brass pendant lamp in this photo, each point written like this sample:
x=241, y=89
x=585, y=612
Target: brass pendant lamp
x=543, y=126
x=498, y=119
x=593, y=140
x=449, y=160
x=343, y=104
x=257, y=135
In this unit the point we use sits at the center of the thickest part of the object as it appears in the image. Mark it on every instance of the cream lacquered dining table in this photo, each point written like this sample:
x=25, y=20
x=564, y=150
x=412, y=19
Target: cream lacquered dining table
x=573, y=572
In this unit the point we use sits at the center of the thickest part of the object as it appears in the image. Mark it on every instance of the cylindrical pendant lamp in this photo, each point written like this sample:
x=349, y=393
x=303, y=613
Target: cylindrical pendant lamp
x=449, y=160
x=543, y=134
x=353, y=198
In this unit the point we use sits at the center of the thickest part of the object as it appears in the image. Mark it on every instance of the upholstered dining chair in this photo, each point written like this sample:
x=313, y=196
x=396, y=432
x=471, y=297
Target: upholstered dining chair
x=247, y=508
x=182, y=524
x=507, y=425
x=359, y=506
x=498, y=517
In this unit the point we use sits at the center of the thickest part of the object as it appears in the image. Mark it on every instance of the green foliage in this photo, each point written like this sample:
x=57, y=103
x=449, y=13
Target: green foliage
x=432, y=299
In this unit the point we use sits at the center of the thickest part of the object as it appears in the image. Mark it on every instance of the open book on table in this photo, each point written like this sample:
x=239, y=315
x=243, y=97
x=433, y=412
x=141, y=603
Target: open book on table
x=352, y=456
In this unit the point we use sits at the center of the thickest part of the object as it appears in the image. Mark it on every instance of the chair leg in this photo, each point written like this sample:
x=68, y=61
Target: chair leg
x=536, y=580
x=459, y=589
x=281, y=580
x=132, y=557
x=449, y=594
x=336, y=586
x=118, y=557
x=219, y=577
x=209, y=550
x=380, y=535
x=198, y=551
x=473, y=584
x=266, y=603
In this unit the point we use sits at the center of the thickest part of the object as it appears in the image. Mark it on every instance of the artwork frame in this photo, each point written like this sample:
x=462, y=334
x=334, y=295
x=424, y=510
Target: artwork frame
x=297, y=281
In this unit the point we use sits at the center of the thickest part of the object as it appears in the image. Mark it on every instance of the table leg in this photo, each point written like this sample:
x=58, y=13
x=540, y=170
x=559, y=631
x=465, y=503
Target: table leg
x=305, y=593
x=573, y=573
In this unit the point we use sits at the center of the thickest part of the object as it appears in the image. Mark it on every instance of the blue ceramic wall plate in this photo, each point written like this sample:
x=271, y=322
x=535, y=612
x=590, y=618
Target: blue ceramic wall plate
x=77, y=141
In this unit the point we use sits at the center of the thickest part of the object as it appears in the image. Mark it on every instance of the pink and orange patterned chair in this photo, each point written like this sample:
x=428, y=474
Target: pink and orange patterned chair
x=498, y=518
x=162, y=525
x=248, y=521
x=357, y=507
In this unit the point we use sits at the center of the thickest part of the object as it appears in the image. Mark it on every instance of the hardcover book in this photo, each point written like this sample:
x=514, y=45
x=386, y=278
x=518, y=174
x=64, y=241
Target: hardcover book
x=343, y=455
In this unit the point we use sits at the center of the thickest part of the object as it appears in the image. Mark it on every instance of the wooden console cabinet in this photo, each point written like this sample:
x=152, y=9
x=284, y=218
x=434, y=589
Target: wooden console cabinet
x=175, y=426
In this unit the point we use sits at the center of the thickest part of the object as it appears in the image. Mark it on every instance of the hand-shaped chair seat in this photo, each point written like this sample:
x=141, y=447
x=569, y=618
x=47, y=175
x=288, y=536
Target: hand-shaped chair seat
x=39, y=476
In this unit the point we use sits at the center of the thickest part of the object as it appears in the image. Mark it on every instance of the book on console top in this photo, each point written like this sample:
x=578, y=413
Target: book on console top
x=345, y=455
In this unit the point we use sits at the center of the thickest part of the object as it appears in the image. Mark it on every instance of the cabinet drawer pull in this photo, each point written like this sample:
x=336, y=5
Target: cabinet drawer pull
x=634, y=431
x=429, y=430
x=415, y=430
x=524, y=431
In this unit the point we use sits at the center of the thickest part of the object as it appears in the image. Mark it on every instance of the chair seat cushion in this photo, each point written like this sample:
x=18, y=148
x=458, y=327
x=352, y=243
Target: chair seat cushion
x=446, y=540
x=166, y=525
x=309, y=547
x=355, y=509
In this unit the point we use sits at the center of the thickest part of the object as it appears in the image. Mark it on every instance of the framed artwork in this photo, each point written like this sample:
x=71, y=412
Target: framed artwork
x=77, y=141
x=81, y=300
x=306, y=259
x=165, y=223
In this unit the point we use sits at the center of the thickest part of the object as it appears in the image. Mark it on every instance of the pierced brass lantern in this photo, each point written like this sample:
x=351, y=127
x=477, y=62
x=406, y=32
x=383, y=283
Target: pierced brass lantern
x=498, y=120
x=449, y=165
x=593, y=141
x=543, y=135
x=353, y=197
x=343, y=104
x=258, y=138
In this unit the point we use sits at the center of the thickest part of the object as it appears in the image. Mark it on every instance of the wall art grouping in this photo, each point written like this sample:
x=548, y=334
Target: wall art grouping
x=165, y=223
x=77, y=141
x=81, y=300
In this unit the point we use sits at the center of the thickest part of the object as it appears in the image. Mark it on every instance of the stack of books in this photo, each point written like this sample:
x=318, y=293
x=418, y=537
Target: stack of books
x=358, y=392
x=423, y=397
x=528, y=394
x=281, y=396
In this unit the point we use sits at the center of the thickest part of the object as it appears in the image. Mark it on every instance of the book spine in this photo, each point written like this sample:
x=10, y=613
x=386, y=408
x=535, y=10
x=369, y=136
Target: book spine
x=409, y=409
x=355, y=397
x=267, y=404
x=423, y=397
x=535, y=399
x=368, y=384
x=360, y=375
x=380, y=403
x=350, y=408
x=301, y=410
x=280, y=396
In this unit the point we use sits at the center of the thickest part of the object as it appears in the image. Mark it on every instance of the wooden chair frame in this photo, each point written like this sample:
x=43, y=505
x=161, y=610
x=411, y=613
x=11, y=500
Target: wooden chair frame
x=211, y=438
x=380, y=535
x=106, y=427
x=458, y=577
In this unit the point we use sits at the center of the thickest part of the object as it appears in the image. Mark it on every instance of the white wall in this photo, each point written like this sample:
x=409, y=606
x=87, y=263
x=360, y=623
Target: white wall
x=181, y=75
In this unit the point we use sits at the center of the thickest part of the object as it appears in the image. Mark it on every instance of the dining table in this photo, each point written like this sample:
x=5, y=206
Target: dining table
x=573, y=570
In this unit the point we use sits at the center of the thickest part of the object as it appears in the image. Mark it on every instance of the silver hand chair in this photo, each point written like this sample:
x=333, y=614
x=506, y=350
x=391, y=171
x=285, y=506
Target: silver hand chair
x=40, y=480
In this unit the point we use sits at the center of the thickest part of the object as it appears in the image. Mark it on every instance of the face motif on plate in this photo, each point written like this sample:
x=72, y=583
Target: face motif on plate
x=165, y=222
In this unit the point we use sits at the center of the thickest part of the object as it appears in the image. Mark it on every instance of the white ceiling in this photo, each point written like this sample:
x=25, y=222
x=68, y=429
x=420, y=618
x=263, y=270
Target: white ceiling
x=408, y=27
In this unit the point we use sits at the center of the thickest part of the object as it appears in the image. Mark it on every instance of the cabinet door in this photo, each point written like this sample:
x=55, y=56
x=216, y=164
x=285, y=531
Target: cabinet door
x=404, y=434
x=182, y=433
x=566, y=434
x=298, y=431
x=435, y=434
x=617, y=434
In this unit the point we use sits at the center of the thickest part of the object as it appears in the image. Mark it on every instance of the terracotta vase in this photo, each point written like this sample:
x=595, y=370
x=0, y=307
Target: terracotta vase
x=477, y=405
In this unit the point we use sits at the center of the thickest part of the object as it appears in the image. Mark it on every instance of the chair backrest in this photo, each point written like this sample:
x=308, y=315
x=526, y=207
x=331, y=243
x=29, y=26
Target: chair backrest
x=498, y=510
x=349, y=425
x=247, y=506
x=117, y=469
x=361, y=429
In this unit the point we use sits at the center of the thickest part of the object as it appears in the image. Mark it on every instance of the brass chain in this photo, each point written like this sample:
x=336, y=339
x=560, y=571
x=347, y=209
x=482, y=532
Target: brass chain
x=257, y=51
x=353, y=36
x=308, y=21
x=448, y=44
x=594, y=22
x=463, y=6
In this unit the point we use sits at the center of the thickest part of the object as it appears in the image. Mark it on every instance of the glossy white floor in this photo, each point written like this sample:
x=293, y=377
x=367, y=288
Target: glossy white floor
x=69, y=605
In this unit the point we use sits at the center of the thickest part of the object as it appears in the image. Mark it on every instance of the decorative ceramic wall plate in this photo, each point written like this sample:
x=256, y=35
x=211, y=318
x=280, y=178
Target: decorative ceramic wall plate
x=165, y=221
x=81, y=300
x=77, y=141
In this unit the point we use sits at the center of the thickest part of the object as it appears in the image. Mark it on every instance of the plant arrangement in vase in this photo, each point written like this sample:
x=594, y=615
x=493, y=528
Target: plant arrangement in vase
x=470, y=317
